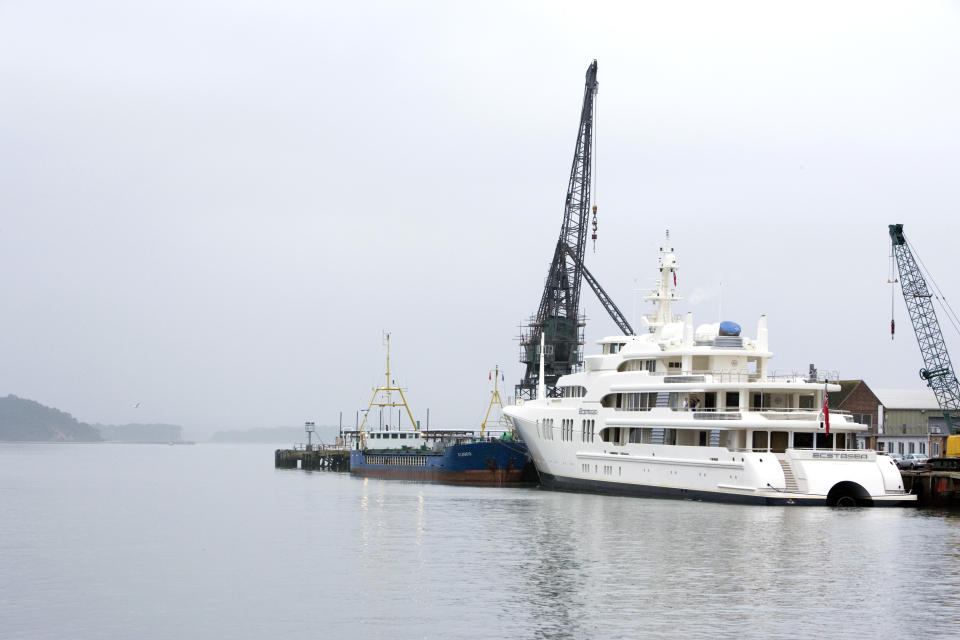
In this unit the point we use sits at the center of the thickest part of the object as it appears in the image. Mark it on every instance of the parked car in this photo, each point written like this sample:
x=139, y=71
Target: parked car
x=897, y=459
x=913, y=461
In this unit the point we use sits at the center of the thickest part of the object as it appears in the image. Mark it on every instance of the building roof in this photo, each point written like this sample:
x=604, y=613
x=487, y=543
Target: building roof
x=907, y=398
x=846, y=388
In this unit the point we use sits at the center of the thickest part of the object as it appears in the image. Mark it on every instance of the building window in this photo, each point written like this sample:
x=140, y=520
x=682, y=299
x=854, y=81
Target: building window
x=911, y=447
x=923, y=448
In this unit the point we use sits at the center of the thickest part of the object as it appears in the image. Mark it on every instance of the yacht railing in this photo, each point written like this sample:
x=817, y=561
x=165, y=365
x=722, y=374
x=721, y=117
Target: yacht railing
x=788, y=413
x=769, y=450
x=724, y=376
x=715, y=414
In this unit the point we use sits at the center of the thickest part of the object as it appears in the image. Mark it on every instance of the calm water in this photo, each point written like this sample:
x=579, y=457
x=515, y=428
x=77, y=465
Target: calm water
x=119, y=541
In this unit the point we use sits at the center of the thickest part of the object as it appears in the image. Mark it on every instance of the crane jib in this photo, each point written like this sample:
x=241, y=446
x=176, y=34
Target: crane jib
x=937, y=370
x=557, y=316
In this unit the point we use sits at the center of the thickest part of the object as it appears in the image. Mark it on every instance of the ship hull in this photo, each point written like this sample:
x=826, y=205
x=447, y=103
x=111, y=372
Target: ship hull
x=561, y=483
x=704, y=473
x=488, y=463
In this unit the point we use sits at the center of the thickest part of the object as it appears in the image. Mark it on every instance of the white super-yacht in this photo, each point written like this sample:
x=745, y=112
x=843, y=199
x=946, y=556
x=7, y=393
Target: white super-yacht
x=693, y=413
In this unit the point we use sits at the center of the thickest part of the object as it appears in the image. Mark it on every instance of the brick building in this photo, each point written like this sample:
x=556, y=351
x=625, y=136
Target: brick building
x=857, y=398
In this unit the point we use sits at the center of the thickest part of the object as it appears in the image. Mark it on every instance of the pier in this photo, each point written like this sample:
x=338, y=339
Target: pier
x=313, y=458
x=938, y=485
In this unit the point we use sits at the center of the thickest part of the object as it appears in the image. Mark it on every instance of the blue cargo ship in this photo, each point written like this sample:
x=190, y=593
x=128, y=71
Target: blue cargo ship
x=442, y=456
x=432, y=455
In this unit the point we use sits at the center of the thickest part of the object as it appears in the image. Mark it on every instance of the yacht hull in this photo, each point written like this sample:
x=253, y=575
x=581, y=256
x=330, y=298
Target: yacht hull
x=580, y=485
x=703, y=473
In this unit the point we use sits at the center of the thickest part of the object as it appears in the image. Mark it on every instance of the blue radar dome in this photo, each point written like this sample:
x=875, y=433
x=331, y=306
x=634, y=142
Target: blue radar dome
x=728, y=328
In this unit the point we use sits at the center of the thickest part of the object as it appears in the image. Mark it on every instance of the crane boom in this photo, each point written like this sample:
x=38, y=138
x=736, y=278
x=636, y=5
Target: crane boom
x=557, y=316
x=612, y=309
x=937, y=368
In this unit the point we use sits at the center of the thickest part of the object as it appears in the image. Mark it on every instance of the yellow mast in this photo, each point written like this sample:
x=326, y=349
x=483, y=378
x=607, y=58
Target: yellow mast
x=387, y=389
x=494, y=398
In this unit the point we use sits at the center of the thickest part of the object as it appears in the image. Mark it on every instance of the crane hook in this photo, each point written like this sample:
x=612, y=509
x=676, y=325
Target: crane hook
x=594, y=228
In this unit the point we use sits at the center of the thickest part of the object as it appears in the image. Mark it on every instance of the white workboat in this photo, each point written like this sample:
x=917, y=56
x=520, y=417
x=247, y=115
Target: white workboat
x=694, y=414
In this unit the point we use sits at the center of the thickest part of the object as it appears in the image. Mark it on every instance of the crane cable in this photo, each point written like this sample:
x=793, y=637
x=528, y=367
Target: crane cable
x=938, y=295
x=893, y=291
x=593, y=177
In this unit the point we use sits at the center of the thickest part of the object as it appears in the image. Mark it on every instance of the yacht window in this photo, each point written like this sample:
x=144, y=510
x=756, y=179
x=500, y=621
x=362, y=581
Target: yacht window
x=760, y=440
x=673, y=364
x=779, y=440
x=638, y=401
x=403, y=436
x=710, y=400
x=732, y=400
x=824, y=441
x=639, y=365
x=394, y=436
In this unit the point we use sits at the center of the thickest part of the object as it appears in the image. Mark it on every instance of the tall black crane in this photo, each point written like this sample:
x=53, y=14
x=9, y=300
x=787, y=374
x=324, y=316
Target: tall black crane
x=937, y=369
x=558, y=314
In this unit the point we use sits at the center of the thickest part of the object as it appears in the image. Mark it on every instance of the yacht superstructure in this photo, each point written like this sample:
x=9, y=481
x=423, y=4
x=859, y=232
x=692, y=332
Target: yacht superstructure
x=694, y=413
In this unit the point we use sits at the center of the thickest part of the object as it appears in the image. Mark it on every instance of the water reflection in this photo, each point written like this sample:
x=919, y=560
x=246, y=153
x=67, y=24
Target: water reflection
x=376, y=558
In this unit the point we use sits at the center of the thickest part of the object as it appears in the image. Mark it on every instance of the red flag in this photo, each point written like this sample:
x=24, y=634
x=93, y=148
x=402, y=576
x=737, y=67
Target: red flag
x=674, y=278
x=489, y=376
x=826, y=409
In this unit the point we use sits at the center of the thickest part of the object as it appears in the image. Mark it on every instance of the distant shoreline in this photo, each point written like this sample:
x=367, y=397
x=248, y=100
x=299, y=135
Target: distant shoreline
x=90, y=442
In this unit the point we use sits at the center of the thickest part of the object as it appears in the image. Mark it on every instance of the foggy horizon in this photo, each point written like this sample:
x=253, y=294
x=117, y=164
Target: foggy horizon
x=214, y=210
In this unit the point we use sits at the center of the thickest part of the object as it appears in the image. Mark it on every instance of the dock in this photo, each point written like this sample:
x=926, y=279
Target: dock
x=937, y=485
x=313, y=458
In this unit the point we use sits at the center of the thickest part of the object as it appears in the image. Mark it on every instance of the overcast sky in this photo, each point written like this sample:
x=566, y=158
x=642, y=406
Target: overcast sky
x=213, y=208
